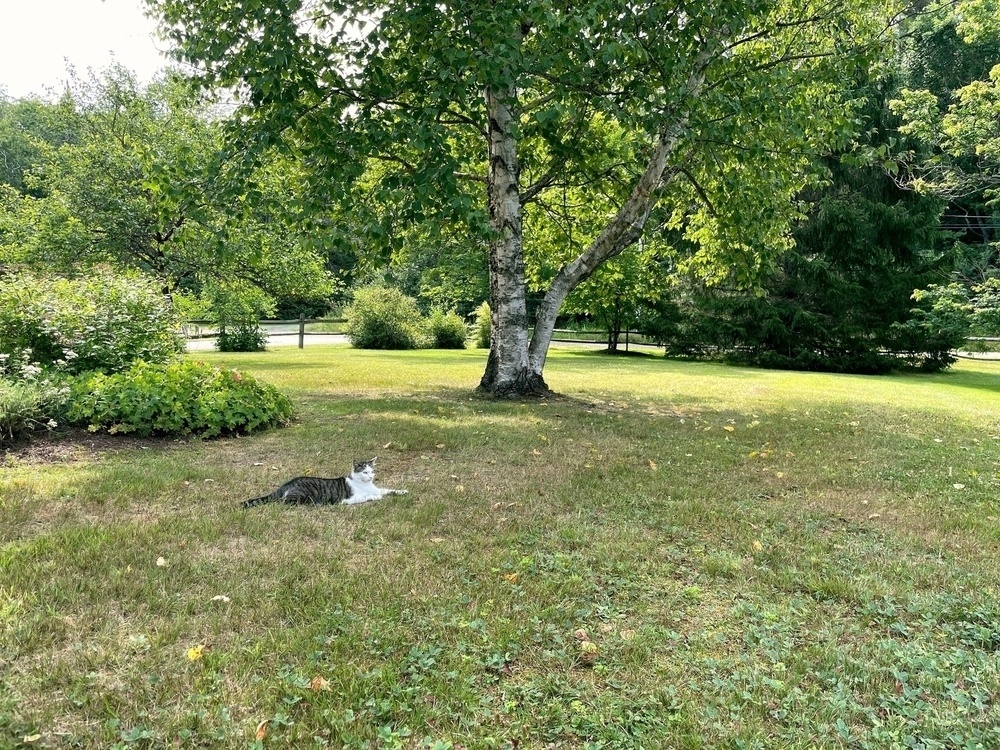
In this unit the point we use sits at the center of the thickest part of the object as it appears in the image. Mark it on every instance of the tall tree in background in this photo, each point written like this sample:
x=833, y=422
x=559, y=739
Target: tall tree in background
x=120, y=174
x=730, y=100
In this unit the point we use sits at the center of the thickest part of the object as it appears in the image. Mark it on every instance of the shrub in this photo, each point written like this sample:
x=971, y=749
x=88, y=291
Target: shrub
x=244, y=337
x=102, y=322
x=381, y=317
x=26, y=406
x=482, y=326
x=189, y=398
x=446, y=330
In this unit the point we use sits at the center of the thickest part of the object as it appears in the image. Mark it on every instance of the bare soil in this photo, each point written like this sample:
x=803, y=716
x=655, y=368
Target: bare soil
x=70, y=445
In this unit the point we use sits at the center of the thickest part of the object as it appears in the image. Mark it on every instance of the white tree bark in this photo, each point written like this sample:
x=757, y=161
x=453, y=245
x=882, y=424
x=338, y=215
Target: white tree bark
x=507, y=371
x=515, y=366
x=623, y=231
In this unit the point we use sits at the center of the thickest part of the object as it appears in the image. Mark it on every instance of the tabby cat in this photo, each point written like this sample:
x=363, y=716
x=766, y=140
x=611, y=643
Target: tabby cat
x=356, y=487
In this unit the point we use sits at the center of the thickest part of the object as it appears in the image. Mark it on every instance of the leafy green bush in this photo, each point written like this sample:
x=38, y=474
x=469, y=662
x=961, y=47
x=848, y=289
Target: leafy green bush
x=446, y=330
x=103, y=322
x=26, y=406
x=180, y=398
x=382, y=317
x=482, y=326
x=245, y=337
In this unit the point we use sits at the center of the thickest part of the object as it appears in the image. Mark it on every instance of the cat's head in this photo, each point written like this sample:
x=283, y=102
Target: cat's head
x=364, y=470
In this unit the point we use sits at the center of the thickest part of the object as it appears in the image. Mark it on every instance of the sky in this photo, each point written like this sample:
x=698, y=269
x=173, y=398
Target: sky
x=38, y=37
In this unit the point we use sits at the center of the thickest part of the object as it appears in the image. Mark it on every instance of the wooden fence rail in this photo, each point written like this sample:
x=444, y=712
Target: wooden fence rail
x=568, y=335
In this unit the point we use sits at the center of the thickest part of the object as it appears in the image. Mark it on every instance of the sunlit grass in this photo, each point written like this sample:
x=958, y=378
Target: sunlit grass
x=761, y=559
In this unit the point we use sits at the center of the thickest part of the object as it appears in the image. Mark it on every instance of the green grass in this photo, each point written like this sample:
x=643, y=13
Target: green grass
x=761, y=560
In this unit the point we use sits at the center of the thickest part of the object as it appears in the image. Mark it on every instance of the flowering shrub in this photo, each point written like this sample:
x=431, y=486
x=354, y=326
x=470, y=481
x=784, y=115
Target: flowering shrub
x=27, y=406
x=103, y=322
x=188, y=398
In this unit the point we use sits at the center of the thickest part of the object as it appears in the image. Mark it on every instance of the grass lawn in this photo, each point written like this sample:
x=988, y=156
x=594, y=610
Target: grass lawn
x=669, y=555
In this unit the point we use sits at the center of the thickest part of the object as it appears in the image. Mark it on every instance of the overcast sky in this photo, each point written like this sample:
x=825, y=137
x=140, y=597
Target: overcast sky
x=38, y=37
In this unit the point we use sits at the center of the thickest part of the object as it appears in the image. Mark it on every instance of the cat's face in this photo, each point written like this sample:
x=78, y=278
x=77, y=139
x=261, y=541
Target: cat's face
x=364, y=470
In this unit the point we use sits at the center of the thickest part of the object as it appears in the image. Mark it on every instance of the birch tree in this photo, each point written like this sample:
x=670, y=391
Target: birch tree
x=482, y=107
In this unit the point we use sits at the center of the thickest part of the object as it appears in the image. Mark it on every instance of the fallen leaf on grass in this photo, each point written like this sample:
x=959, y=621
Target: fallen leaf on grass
x=729, y=428
x=437, y=539
x=652, y=464
x=161, y=562
x=29, y=738
x=536, y=452
x=221, y=598
x=196, y=652
x=512, y=577
x=261, y=732
x=318, y=683
x=757, y=546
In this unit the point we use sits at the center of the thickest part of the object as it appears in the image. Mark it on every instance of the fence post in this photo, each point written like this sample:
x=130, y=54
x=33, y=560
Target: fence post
x=302, y=330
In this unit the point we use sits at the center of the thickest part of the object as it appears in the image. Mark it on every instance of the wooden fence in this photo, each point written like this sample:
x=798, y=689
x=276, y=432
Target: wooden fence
x=210, y=328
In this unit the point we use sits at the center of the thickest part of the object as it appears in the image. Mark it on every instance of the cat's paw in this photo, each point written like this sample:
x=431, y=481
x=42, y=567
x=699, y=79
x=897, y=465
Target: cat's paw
x=401, y=492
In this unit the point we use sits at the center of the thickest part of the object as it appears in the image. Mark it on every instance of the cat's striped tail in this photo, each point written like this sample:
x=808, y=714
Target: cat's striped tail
x=255, y=501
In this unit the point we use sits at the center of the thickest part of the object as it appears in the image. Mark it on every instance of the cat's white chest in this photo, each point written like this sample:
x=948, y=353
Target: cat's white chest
x=361, y=491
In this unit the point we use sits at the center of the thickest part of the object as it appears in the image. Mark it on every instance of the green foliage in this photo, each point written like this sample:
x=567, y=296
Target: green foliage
x=136, y=183
x=717, y=111
x=237, y=306
x=104, y=321
x=985, y=311
x=482, y=326
x=27, y=405
x=446, y=330
x=184, y=398
x=938, y=325
x=953, y=111
x=382, y=317
x=242, y=337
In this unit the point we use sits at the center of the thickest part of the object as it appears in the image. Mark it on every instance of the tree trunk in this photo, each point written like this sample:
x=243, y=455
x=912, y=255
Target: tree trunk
x=514, y=367
x=623, y=231
x=508, y=374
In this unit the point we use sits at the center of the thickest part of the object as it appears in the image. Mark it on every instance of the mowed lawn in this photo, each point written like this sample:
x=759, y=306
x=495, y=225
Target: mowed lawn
x=667, y=555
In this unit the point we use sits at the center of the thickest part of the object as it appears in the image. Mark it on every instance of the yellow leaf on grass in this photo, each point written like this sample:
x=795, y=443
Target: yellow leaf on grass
x=757, y=546
x=729, y=428
x=652, y=464
x=512, y=577
x=318, y=683
x=261, y=732
x=536, y=452
x=29, y=738
x=196, y=652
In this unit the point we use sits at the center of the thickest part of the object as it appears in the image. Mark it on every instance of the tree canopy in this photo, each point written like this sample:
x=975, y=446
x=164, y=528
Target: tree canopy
x=121, y=174
x=489, y=105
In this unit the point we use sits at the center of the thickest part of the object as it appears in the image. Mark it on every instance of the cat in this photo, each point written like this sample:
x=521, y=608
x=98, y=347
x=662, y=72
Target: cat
x=356, y=487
